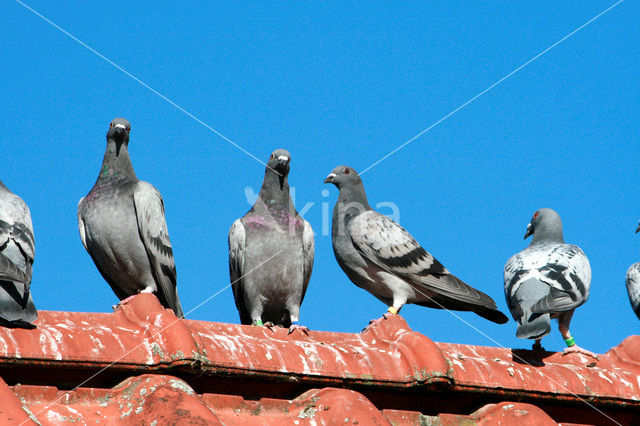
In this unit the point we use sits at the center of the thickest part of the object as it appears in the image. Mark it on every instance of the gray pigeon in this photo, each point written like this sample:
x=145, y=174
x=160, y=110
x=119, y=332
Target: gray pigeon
x=633, y=285
x=379, y=256
x=271, y=253
x=122, y=226
x=549, y=279
x=16, y=259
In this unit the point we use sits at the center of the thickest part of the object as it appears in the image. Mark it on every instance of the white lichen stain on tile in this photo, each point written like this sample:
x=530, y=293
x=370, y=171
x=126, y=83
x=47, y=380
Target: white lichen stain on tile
x=180, y=385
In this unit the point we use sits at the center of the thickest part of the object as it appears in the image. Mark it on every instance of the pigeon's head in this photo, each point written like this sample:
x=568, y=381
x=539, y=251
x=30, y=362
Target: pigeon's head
x=119, y=129
x=545, y=224
x=279, y=161
x=343, y=176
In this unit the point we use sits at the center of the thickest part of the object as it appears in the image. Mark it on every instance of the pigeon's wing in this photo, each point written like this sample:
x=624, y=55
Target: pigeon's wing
x=83, y=232
x=514, y=271
x=568, y=273
x=308, y=249
x=20, y=231
x=389, y=246
x=152, y=228
x=9, y=271
x=237, y=237
x=633, y=287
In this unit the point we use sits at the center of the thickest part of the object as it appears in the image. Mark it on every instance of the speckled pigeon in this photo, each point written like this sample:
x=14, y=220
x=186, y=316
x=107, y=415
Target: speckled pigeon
x=549, y=279
x=633, y=285
x=379, y=256
x=122, y=226
x=17, y=251
x=271, y=253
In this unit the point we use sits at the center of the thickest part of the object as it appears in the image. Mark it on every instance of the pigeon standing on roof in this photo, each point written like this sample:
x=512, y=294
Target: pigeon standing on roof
x=17, y=251
x=379, y=256
x=122, y=226
x=633, y=285
x=271, y=253
x=548, y=279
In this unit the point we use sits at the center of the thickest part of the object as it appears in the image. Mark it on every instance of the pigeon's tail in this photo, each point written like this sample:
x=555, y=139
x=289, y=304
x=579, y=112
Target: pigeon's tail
x=557, y=301
x=16, y=304
x=492, y=315
x=532, y=325
x=178, y=308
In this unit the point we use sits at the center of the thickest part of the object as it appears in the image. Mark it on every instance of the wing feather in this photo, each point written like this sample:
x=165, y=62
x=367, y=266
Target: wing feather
x=392, y=248
x=308, y=251
x=237, y=238
x=153, y=231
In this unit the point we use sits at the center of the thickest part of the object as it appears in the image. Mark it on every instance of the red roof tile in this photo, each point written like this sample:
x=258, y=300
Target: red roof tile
x=142, y=364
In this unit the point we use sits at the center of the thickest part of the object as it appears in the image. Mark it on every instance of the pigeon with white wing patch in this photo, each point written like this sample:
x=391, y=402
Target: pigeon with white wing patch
x=122, y=226
x=17, y=252
x=379, y=256
x=548, y=279
x=633, y=285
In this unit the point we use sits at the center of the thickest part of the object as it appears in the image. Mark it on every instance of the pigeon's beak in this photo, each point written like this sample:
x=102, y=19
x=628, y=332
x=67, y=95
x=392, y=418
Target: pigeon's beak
x=283, y=160
x=120, y=129
x=638, y=229
x=329, y=179
x=529, y=231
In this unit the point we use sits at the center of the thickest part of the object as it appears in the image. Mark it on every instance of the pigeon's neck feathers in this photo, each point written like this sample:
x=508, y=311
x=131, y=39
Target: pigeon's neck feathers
x=116, y=162
x=353, y=193
x=274, y=192
x=548, y=232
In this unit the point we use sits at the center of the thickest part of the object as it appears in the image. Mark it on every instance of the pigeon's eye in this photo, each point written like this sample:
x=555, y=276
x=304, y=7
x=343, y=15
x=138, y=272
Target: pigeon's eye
x=110, y=125
x=128, y=129
x=346, y=171
x=535, y=215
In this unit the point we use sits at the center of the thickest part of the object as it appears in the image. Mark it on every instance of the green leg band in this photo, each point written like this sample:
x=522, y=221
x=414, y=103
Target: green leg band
x=259, y=323
x=570, y=341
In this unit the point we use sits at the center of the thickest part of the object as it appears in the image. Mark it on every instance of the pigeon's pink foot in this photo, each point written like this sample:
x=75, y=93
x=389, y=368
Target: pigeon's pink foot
x=122, y=302
x=296, y=326
x=375, y=322
x=126, y=300
x=271, y=326
x=577, y=349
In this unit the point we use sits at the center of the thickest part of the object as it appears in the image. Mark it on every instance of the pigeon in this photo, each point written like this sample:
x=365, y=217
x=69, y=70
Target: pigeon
x=17, y=251
x=548, y=279
x=379, y=256
x=633, y=285
x=122, y=226
x=271, y=252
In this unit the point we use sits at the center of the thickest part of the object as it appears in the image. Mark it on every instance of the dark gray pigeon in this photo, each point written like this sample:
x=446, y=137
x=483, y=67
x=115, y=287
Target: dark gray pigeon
x=549, y=279
x=17, y=251
x=633, y=285
x=379, y=256
x=123, y=228
x=271, y=253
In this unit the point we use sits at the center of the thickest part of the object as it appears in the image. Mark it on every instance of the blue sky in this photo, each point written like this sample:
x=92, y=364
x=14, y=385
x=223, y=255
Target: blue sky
x=336, y=83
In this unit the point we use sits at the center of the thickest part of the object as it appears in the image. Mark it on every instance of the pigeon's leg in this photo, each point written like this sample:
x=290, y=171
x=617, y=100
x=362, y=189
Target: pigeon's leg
x=258, y=323
x=147, y=289
x=563, y=326
x=295, y=324
x=392, y=310
x=537, y=346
